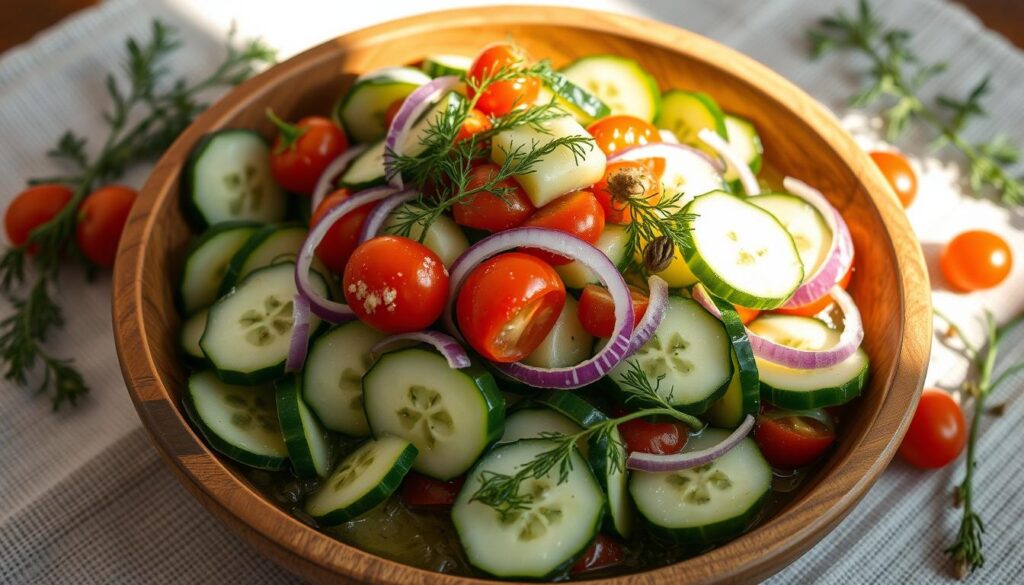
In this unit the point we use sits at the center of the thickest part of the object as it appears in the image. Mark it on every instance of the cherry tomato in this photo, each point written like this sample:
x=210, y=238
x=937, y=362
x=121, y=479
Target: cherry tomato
x=508, y=304
x=302, y=151
x=395, y=284
x=578, y=214
x=420, y=491
x=898, y=173
x=487, y=211
x=937, y=433
x=392, y=111
x=624, y=181
x=32, y=208
x=343, y=237
x=475, y=123
x=501, y=97
x=660, y=438
x=596, y=310
x=619, y=132
x=814, y=307
x=789, y=438
x=976, y=260
x=604, y=552
x=101, y=219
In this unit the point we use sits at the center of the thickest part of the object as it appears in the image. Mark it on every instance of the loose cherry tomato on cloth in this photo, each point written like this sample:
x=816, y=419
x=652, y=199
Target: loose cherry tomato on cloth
x=577, y=214
x=475, y=123
x=596, y=310
x=659, y=438
x=624, y=181
x=508, y=305
x=794, y=438
x=604, y=552
x=937, y=433
x=343, y=237
x=898, y=173
x=395, y=284
x=420, y=491
x=620, y=132
x=976, y=260
x=101, y=219
x=501, y=97
x=32, y=208
x=302, y=151
x=489, y=211
x=814, y=307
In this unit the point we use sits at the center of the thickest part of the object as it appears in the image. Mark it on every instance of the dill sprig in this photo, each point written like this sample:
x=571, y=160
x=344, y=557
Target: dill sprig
x=145, y=116
x=897, y=75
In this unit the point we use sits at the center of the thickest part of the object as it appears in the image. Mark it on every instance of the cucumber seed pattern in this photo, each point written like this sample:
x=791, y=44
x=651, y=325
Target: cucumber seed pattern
x=248, y=187
x=273, y=321
x=427, y=412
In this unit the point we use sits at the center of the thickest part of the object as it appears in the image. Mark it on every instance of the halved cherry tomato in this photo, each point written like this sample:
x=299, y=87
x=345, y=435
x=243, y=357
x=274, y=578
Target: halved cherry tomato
x=32, y=208
x=488, y=211
x=395, y=284
x=898, y=173
x=578, y=214
x=624, y=181
x=976, y=260
x=937, y=433
x=604, y=552
x=814, y=307
x=420, y=491
x=501, y=97
x=302, y=151
x=746, y=315
x=596, y=310
x=392, y=111
x=508, y=305
x=789, y=438
x=620, y=132
x=645, y=436
x=343, y=237
x=475, y=123
x=101, y=219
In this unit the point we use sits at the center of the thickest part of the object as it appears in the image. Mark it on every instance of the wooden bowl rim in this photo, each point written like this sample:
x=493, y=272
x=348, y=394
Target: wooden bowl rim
x=285, y=537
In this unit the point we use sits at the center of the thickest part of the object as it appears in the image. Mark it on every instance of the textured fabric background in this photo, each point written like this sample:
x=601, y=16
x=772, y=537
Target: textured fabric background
x=83, y=495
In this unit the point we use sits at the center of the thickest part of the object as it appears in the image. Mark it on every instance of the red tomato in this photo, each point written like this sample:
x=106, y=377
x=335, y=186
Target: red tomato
x=32, y=208
x=101, y=219
x=475, y=123
x=596, y=310
x=392, y=111
x=302, y=151
x=420, y=491
x=660, y=438
x=619, y=132
x=508, y=304
x=395, y=284
x=623, y=181
x=791, y=439
x=898, y=173
x=976, y=260
x=488, y=211
x=578, y=214
x=937, y=433
x=604, y=552
x=501, y=97
x=813, y=308
x=343, y=237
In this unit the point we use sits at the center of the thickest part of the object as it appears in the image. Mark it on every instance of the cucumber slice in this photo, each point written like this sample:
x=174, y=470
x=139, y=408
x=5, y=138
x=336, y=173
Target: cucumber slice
x=806, y=389
x=362, y=481
x=269, y=245
x=691, y=350
x=621, y=83
x=441, y=65
x=690, y=174
x=608, y=460
x=310, y=447
x=533, y=422
x=227, y=178
x=810, y=233
x=207, y=262
x=191, y=331
x=582, y=104
x=248, y=330
x=414, y=144
x=706, y=504
x=743, y=396
x=686, y=113
x=239, y=422
x=451, y=415
x=741, y=253
x=614, y=242
x=444, y=237
x=366, y=170
x=567, y=344
x=333, y=377
x=578, y=410
x=361, y=112
x=542, y=540
x=743, y=138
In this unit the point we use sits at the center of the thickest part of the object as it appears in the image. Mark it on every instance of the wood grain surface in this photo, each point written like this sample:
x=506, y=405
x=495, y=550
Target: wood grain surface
x=801, y=139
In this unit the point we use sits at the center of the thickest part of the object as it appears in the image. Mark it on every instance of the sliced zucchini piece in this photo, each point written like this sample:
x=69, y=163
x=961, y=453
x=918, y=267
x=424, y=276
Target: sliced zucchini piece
x=207, y=262
x=333, y=377
x=441, y=65
x=621, y=83
x=567, y=344
x=310, y=447
x=361, y=112
x=743, y=396
x=444, y=237
x=191, y=331
x=686, y=113
x=614, y=242
x=269, y=245
x=743, y=138
x=366, y=170
x=810, y=233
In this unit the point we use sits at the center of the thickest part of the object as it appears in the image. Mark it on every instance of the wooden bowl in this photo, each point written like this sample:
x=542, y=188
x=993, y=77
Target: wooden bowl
x=800, y=138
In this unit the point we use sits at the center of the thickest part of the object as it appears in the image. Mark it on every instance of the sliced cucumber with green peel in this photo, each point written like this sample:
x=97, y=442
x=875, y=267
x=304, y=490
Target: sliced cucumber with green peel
x=191, y=332
x=810, y=233
x=582, y=104
x=362, y=481
x=532, y=422
x=238, y=421
x=542, y=540
x=361, y=112
x=567, y=344
x=366, y=170
x=441, y=65
x=269, y=245
x=444, y=237
x=805, y=389
x=741, y=253
x=578, y=410
x=619, y=82
x=310, y=447
x=333, y=377
x=743, y=396
x=451, y=415
x=414, y=143
x=608, y=461
x=705, y=504
x=227, y=178
x=207, y=261
x=743, y=139
x=686, y=113
x=614, y=242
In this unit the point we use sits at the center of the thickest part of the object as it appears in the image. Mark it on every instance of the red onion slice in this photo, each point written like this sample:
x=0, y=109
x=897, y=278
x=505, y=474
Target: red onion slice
x=412, y=108
x=688, y=460
x=726, y=151
x=299, y=342
x=446, y=345
x=670, y=152
x=563, y=244
x=657, y=303
x=380, y=213
x=325, y=184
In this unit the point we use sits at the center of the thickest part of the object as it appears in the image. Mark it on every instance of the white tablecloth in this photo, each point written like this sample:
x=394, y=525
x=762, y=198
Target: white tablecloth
x=83, y=495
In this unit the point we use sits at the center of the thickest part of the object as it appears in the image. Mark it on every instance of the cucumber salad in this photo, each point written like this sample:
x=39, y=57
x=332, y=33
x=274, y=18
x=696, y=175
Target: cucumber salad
x=496, y=318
